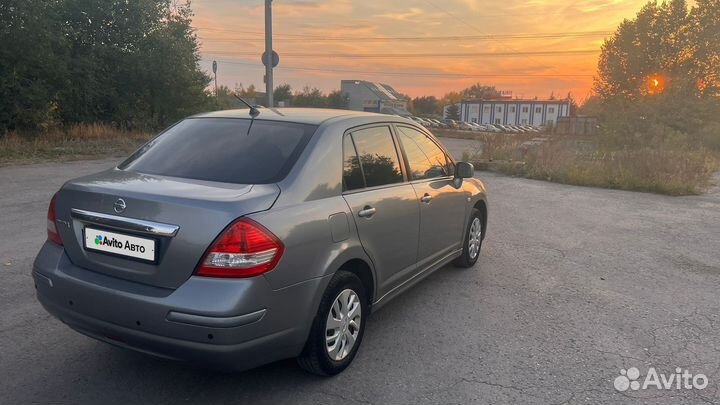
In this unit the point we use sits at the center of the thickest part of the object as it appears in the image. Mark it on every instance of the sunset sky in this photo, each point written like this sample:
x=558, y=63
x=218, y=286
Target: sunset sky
x=544, y=46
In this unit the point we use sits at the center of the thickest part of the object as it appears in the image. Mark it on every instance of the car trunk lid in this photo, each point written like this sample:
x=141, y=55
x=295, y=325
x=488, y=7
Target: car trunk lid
x=178, y=218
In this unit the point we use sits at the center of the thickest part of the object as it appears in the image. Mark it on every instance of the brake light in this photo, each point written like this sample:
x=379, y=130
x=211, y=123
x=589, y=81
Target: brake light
x=52, y=232
x=244, y=249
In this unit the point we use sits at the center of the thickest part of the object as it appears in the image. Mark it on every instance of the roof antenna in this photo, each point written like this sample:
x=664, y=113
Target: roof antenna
x=254, y=112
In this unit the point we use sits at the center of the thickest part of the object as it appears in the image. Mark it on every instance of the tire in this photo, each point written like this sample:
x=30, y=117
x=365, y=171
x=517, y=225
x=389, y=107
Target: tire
x=316, y=358
x=470, y=255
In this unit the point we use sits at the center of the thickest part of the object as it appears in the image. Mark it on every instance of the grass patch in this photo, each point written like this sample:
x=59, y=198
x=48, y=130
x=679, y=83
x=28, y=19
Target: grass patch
x=657, y=170
x=86, y=141
x=664, y=168
x=494, y=147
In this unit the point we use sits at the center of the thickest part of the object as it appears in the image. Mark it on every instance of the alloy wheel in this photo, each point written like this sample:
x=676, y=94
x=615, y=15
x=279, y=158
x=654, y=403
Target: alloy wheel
x=343, y=324
x=475, y=238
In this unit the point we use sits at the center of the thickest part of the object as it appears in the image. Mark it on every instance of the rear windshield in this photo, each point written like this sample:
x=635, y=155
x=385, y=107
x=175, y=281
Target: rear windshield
x=220, y=149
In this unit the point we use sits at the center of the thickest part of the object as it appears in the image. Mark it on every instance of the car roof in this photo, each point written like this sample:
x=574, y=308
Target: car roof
x=314, y=116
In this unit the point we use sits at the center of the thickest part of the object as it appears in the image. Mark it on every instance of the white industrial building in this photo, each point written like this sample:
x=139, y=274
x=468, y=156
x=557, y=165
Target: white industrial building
x=514, y=111
x=373, y=97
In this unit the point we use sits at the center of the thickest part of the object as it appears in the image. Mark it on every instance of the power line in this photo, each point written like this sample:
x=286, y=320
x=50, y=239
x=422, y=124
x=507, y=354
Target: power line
x=412, y=55
x=451, y=15
x=539, y=35
x=416, y=74
x=545, y=13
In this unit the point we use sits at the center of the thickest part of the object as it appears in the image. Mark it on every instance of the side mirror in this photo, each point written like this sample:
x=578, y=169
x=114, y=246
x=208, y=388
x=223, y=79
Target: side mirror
x=464, y=170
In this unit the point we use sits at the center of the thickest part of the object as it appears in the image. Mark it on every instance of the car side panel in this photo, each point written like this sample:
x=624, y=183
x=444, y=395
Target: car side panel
x=475, y=189
x=390, y=236
x=442, y=219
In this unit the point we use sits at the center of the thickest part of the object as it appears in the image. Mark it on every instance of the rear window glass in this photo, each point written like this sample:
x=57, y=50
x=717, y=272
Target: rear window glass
x=220, y=149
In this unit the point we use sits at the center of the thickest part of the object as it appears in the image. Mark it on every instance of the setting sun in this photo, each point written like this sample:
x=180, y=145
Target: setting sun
x=656, y=84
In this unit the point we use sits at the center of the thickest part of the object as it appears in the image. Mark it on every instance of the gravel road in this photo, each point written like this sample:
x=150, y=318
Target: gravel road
x=573, y=285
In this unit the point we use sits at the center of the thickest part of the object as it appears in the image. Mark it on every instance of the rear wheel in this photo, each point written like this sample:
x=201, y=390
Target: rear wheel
x=473, y=241
x=338, y=326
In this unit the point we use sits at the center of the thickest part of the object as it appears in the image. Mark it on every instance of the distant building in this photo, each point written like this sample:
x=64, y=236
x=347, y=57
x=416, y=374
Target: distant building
x=373, y=97
x=514, y=111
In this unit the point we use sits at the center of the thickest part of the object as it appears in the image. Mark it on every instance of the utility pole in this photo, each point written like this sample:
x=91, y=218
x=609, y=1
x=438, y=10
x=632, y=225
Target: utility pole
x=269, y=53
x=214, y=67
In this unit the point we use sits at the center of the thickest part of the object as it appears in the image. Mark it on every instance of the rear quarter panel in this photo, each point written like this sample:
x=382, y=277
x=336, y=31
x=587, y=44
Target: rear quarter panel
x=311, y=248
x=310, y=195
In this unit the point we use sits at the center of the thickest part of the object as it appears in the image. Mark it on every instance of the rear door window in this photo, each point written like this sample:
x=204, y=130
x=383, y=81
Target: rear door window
x=378, y=158
x=221, y=149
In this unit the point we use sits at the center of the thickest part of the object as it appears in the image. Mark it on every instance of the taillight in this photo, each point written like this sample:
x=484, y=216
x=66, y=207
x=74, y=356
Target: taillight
x=52, y=232
x=245, y=249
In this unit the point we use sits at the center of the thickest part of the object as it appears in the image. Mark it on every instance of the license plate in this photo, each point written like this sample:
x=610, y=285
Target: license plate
x=120, y=244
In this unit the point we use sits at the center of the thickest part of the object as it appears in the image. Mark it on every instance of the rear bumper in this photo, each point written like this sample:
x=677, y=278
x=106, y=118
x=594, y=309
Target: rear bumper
x=229, y=324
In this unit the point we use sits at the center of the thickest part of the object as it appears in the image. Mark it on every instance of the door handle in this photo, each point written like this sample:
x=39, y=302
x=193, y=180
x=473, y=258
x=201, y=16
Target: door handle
x=366, y=212
x=426, y=198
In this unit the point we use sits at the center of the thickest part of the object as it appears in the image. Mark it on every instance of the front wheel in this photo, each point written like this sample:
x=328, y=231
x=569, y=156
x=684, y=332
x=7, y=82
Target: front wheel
x=473, y=241
x=338, y=326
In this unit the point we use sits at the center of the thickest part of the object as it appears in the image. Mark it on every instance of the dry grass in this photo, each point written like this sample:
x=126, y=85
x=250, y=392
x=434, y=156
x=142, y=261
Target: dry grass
x=500, y=147
x=657, y=170
x=671, y=169
x=76, y=142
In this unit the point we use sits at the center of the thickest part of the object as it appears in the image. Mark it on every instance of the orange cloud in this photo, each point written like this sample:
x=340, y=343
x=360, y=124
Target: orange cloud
x=402, y=16
x=231, y=33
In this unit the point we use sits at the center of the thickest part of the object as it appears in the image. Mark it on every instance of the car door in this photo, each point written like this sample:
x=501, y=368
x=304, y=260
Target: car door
x=442, y=205
x=384, y=205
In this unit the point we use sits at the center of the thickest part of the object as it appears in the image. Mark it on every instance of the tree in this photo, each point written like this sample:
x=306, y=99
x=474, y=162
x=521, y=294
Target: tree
x=477, y=91
x=453, y=112
x=659, y=72
x=651, y=47
x=573, y=105
x=336, y=99
x=425, y=105
x=168, y=53
x=283, y=93
x=249, y=92
x=705, y=41
x=225, y=99
x=480, y=92
x=310, y=97
x=32, y=66
x=452, y=97
x=129, y=63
